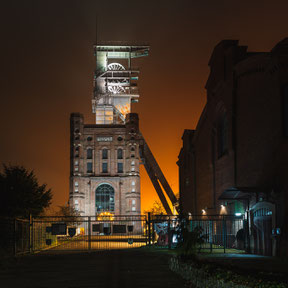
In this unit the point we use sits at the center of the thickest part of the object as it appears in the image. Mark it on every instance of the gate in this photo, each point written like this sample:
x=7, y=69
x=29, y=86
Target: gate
x=217, y=232
x=88, y=232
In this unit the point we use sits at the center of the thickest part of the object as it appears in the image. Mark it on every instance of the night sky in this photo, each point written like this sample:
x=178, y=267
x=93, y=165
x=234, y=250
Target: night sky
x=47, y=67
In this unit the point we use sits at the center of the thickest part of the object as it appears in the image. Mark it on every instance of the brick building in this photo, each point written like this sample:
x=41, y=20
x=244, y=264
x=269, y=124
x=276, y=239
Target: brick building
x=105, y=167
x=236, y=160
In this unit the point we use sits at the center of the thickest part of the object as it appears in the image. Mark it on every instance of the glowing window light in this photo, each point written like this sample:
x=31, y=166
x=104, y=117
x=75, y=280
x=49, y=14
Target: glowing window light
x=238, y=214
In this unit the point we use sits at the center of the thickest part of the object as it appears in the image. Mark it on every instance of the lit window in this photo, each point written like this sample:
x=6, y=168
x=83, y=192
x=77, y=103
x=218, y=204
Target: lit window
x=133, y=202
x=119, y=154
x=76, y=189
x=133, y=189
x=89, y=153
x=76, y=201
x=105, y=198
x=120, y=167
x=133, y=183
x=104, y=154
x=89, y=167
x=104, y=167
x=76, y=168
x=133, y=162
x=132, y=168
x=76, y=162
x=76, y=184
x=133, y=208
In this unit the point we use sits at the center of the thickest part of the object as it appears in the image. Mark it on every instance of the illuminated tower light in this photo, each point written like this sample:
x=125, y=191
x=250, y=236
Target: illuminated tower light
x=115, y=84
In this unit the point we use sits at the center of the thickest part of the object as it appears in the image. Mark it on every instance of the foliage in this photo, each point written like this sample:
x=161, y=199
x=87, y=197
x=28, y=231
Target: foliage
x=191, y=242
x=68, y=213
x=156, y=209
x=211, y=276
x=21, y=194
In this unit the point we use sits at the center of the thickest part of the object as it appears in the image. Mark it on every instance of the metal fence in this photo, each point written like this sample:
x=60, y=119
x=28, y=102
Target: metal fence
x=15, y=236
x=215, y=232
x=88, y=233
x=218, y=232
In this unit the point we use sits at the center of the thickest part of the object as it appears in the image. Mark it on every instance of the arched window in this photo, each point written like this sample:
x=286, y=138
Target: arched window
x=119, y=154
x=222, y=135
x=105, y=198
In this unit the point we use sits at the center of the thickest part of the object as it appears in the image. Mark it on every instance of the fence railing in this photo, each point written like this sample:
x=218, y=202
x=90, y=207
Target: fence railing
x=20, y=236
x=15, y=236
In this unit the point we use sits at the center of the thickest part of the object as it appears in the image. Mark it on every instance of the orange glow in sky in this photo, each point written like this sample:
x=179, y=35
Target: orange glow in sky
x=47, y=64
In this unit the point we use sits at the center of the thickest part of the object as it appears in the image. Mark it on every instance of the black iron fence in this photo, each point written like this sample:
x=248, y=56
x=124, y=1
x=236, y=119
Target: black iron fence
x=15, y=236
x=217, y=232
x=88, y=233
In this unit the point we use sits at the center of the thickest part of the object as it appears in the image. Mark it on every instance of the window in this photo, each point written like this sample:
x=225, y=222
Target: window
x=133, y=183
x=133, y=202
x=132, y=149
x=104, y=153
x=104, y=167
x=76, y=189
x=105, y=198
x=76, y=169
x=132, y=168
x=132, y=162
x=76, y=184
x=89, y=167
x=119, y=154
x=133, y=208
x=120, y=167
x=222, y=136
x=133, y=189
x=89, y=138
x=89, y=153
x=76, y=162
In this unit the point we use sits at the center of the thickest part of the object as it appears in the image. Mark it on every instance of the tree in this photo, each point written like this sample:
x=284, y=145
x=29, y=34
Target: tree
x=67, y=213
x=21, y=194
x=157, y=208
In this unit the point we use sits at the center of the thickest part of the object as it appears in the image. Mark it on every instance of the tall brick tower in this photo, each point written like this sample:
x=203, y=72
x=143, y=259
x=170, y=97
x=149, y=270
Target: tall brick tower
x=104, y=157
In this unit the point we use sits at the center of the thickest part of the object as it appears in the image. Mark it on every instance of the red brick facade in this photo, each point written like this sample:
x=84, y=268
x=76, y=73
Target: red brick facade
x=240, y=145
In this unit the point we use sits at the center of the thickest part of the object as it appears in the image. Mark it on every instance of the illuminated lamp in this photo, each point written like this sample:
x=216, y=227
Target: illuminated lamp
x=203, y=211
x=238, y=214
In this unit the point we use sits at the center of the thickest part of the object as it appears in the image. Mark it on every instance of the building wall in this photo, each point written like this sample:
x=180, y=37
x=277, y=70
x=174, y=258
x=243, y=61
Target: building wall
x=83, y=183
x=247, y=90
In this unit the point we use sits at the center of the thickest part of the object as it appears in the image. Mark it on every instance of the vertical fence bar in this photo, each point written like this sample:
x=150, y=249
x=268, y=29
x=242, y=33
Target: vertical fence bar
x=224, y=233
x=89, y=233
x=14, y=237
x=169, y=233
x=149, y=228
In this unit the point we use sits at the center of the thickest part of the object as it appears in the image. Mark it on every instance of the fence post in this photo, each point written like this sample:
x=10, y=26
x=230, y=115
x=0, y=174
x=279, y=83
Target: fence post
x=30, y=233
x=89, y=233
x=169, y=232
x=149, y=228
x=14, y=237
x=224, y=233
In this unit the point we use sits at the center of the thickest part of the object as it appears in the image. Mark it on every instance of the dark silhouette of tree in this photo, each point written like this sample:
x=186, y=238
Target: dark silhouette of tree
x=21, y=194
x=68, y=214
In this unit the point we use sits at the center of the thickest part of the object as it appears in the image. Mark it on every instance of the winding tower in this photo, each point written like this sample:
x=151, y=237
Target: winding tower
x=105, y=156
